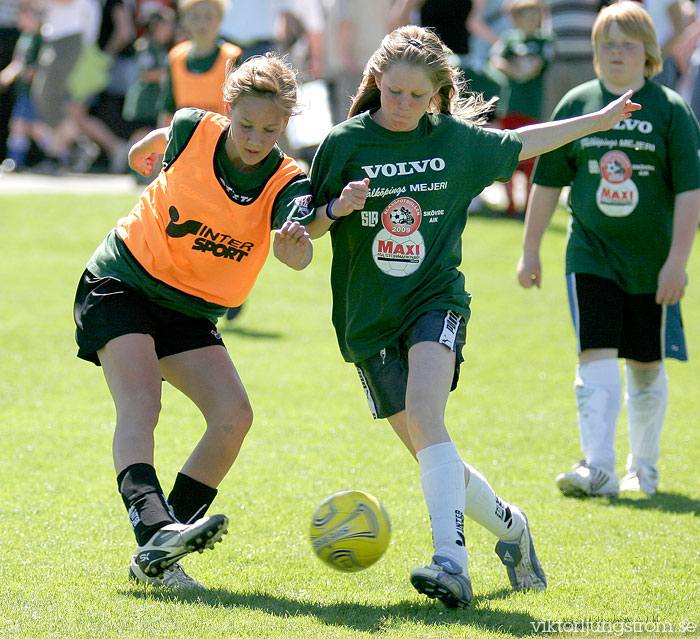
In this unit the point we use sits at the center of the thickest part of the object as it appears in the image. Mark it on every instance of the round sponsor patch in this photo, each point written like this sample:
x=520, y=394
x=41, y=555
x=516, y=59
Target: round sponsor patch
x=615, y=167
x=617, y=200
x=398, y=255
x=402, y=217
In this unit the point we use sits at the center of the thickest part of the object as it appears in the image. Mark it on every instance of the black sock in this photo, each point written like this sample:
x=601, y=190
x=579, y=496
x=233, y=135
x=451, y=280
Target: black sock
x=144, y=501
x=190, y=499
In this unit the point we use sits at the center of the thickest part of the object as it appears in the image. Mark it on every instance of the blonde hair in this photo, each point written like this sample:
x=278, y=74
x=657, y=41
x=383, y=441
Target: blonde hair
x=634, y=22
x=185, y=5
x=423, y=49
x=268, y=76
x=514, y=6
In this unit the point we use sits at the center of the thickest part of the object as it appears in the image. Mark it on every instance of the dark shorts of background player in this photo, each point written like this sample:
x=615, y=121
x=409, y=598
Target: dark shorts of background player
x=605, y=316
x=384, y=376
x=106, y=308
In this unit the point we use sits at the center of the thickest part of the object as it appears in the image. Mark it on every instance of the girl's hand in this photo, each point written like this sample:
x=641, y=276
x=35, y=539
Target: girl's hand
x=617, y=110
x=292, y=245
x=143, y=165
x=352, y=198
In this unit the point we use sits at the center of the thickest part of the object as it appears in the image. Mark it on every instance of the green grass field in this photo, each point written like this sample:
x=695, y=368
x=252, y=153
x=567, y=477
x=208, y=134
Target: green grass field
x=65, y=539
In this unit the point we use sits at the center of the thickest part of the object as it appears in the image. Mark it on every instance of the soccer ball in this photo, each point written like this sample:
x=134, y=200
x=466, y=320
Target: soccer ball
x=350, y=530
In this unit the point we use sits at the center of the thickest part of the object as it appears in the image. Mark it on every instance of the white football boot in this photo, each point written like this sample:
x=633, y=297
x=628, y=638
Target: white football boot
x=174, y=541
x=173, y=577
x=588, y=481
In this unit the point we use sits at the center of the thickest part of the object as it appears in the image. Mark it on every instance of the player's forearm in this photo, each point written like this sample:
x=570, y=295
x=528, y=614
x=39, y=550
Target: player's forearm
x=547, y=136
x=320, y=224
x=685, y=224
x=154, y=142
x=541, y=205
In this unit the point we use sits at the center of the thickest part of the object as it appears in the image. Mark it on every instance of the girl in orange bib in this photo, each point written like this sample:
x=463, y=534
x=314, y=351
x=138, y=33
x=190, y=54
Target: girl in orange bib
x=148, y=301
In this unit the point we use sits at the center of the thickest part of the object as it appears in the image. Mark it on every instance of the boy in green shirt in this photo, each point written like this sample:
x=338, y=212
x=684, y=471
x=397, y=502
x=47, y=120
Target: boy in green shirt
x=634, y=202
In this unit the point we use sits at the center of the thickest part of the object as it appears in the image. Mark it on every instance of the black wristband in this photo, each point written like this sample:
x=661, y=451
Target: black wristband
x=329, y=213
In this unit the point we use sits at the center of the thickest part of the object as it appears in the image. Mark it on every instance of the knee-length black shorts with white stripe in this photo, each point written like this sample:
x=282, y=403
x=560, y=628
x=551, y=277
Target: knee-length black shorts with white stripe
x=384, y=376
x=605, y=316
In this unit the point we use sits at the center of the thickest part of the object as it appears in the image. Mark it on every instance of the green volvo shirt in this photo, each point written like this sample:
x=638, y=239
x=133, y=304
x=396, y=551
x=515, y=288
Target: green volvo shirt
x=113, y=259
x=623, y=183
x=398, y=258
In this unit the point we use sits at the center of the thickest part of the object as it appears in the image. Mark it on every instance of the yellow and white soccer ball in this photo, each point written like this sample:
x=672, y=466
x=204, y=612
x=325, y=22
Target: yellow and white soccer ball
x=350, y=530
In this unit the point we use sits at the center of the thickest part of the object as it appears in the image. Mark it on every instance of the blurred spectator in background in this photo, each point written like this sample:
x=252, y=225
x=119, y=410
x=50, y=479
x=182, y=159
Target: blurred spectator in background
x=141, y=103
x=522, y=54
x=299, y=31
x=197, y=67
x=450, y=20
x=67, y=27
x=354, y=30
x=670, y=18
x=250, y=24
x=25, y=124
x=487, y=20
x=97, y=111
x=687, y=56
x=571, y=24
x=9, y=34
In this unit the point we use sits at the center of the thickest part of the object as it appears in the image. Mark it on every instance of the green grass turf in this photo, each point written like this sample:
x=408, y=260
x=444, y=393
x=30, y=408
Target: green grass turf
x=65, y=539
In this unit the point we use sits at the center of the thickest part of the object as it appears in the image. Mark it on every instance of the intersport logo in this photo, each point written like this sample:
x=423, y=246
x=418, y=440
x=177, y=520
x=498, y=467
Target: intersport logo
x=404, y=168
x=207, y=240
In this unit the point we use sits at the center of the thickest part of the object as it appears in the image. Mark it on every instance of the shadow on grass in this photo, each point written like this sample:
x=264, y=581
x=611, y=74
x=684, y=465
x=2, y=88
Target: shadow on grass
x=357, y=616
x=666, y=502
x=247, y=332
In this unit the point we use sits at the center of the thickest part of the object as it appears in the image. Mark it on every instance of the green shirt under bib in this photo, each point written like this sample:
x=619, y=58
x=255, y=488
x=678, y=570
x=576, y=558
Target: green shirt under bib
x=398, y=258
x=623, y=183
x=113, y=259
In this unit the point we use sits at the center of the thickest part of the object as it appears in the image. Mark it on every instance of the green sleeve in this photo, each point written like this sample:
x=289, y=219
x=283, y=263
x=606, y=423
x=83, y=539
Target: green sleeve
x=293, y=203
x=683, y=148
x=182, y=127
x=327, y=172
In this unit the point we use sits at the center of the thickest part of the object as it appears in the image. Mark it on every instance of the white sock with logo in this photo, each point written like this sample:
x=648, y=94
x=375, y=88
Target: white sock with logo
x=487, y=509
x=598, y=389
x=442, y=479
x=646, y=399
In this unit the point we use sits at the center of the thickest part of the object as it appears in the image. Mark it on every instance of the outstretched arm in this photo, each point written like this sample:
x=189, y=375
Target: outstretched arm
x=547, y=136
x=292, y=245
x=543, y=201
x=351, y=199
x=144, y=154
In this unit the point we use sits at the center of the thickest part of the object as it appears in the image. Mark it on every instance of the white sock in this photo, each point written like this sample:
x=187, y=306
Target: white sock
x=486, y=508
x=646, y=399
x=442, y=479
x=598, y=389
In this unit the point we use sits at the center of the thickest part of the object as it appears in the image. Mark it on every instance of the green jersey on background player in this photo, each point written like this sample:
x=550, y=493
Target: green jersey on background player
x=623, y=184
x=634, y=203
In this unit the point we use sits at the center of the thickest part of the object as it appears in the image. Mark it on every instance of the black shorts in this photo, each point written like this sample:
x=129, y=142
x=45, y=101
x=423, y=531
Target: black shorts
x=384, y=376
x=605, y=316
x=106, y=308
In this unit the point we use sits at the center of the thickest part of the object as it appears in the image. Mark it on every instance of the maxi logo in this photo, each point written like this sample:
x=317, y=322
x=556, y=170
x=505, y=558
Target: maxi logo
x=207, y=240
